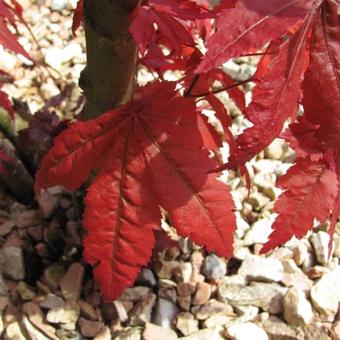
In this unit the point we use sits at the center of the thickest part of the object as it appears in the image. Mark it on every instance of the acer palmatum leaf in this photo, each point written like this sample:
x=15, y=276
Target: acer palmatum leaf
x=76, y=152
x=10, y=40
x=120, y=215
x=183, y=9
x=6, y=103
x=249, y=26
x=148, y=153
x=311, y=189
x=77, y=16
x=276, y=95
x=8, y=15
x=142, y=28
x=321, y=88
x=318, y=134
x=301, y=138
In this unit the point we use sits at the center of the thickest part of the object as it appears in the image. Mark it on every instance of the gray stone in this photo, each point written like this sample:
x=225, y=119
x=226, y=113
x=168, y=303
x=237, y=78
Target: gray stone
x=318, y=332
x=147, y=278
x=66, y=315
x=336, y=247
x=28, y=218
x=141, y=313
x=214, y=307
x=297, y=279
x=3, y=286
x=48, y=203
x=279, y=330
x=267, y=296
x=12, y=263
x=68, y=334
x=71, y=282
x=53, y=275
x=203, y=293
x=88, y=311
x=52, y=301
x=130, y=333
x=89, y=329
x=25, y=291
x=214, y=268
x=325, y=293
x=256, y=268
x=165, y=313
x=297, y=309
x=6, y=228
x=135, y=293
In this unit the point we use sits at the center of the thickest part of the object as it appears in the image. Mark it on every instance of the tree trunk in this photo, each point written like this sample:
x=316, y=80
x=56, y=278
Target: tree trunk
x=15, y=177
x=108, y=79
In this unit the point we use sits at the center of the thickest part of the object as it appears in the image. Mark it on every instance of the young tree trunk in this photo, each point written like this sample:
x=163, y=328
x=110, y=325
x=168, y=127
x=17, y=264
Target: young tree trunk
x=108, y=79
x=15, y=176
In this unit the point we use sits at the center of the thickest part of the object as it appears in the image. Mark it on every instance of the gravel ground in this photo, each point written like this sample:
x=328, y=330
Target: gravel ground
x=46, y=291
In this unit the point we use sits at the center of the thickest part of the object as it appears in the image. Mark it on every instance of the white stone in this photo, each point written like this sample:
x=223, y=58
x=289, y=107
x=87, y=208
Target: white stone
x=320, y=243
x=1, y=326
x=256, y=268
x=247, y=331
x=259, y=231
x=274, y=150
x=204, y=334
x=297, y=309
x=325, y=293
x=242, y=225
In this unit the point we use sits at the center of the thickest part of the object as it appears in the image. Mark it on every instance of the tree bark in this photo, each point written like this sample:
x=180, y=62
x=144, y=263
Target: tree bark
x=108, y=79
x=15, y=176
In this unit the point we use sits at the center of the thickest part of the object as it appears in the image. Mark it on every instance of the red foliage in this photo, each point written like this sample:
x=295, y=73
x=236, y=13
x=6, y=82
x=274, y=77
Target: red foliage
x=9, y=14
x=151, y=152
x=78, y=16
x=148, y=153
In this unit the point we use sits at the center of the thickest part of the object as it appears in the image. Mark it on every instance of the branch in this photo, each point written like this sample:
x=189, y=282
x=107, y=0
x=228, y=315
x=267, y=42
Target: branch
x=226, y=88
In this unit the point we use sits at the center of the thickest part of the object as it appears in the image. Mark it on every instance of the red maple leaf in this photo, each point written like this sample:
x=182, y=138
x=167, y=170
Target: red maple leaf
x=165, y=21
x=249, y=26
x=311, y=189
x=4, y=99
x=9, y=15
x=313, y=184
x=148, y=153
x=78, y=16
